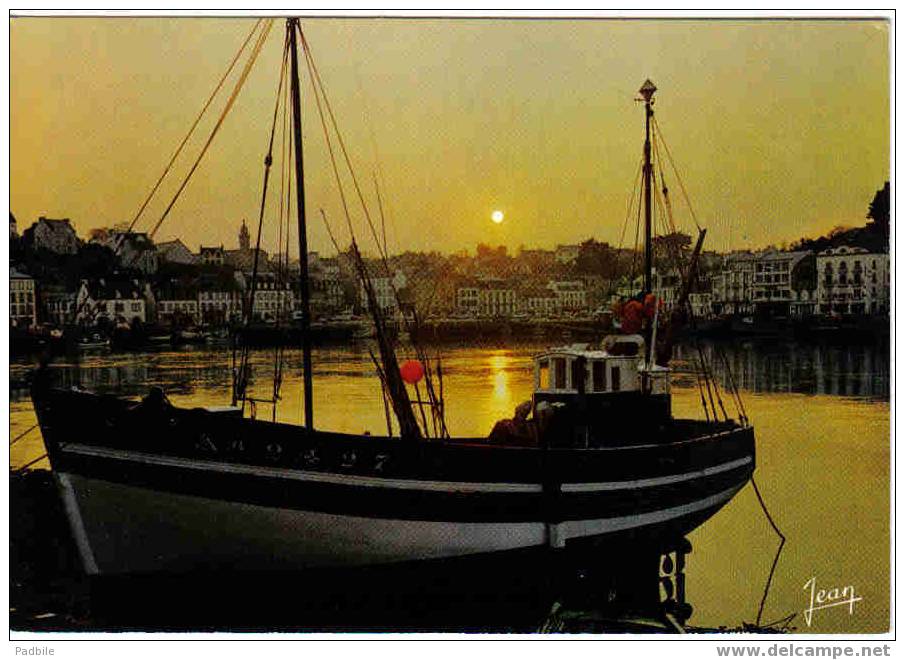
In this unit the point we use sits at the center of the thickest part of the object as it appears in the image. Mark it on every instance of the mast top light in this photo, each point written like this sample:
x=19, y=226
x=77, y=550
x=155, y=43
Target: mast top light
x=647, y=89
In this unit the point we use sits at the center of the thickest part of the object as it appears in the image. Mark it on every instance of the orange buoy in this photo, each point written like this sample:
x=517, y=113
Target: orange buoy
x=411, y=371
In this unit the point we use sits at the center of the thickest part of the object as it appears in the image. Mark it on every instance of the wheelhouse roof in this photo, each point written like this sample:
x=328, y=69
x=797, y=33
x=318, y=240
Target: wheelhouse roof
x=594, y=351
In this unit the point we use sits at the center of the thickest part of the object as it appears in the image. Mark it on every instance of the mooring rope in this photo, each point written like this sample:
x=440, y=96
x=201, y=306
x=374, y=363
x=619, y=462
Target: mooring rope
x=782, y=542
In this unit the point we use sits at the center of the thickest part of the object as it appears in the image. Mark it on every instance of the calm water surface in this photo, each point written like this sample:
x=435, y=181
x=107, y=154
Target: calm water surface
x=821, y=416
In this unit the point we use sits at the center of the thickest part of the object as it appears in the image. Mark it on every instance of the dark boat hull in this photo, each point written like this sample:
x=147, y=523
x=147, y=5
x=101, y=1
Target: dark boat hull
x=183, y=491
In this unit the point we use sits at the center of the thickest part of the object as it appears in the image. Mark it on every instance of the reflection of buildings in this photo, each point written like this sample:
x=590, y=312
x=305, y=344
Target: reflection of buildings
x=861, y=370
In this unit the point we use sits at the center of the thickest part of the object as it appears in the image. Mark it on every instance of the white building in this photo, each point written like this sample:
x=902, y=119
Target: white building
x=22, y=302
x=325, y=282
x=732, y=288
x=274, y=299
x=115, y=302
x=851, y=280
x=182, y=310
x=666, y=287
x=773, y=279
x=468, y=299
x=539, y=302
x=570, y=295
x=497, y=300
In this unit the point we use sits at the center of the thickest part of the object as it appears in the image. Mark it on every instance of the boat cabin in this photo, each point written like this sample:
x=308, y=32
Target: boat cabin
x=617, y=366
x=602, y=388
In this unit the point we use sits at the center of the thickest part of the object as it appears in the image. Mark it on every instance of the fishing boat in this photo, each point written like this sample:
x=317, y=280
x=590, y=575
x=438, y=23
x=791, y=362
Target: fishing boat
x=595, y=457
x=92, y=342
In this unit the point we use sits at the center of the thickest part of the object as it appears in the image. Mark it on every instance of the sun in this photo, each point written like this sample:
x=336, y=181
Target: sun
x=497, y=216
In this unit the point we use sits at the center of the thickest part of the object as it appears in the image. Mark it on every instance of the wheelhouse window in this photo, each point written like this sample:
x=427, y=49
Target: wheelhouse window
x=579, y=375
x=559, y=373
x=543, y=374
x=598, y=376
x=614, y=379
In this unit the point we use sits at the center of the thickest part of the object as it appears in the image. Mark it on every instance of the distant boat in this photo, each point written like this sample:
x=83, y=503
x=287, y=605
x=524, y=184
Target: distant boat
x=190, y=336
x=93, y=341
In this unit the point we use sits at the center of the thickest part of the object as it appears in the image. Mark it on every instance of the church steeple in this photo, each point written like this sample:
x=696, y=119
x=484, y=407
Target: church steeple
x=244, y=238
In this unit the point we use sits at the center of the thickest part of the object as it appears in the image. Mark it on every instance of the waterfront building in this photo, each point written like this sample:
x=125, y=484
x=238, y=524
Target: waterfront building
x=182, y=310
x=56, y=235
x=326, y=284
x=114, y=301
x=468, y=298
x=570, y=295
x=732, y=286
x=538, y=301
x=666, y=287
x=851, y=280
x=778, y=279
x=274, y=299
x=219, y=299
x=57, y=304
x=22, y=301
x=486, y=297
x=496, y=299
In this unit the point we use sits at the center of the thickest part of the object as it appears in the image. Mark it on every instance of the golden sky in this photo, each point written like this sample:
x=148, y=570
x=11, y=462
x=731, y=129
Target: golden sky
x=780, y=128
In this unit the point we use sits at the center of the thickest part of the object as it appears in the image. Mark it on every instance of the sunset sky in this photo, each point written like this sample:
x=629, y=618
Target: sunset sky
x=780, y=128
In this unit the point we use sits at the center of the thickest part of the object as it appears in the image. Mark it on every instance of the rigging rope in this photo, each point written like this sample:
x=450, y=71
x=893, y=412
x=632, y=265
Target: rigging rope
x=268, y=161
x=315, y=76
x=182, y=144
x=262, y=37
x=322, y=103
x=675, y=170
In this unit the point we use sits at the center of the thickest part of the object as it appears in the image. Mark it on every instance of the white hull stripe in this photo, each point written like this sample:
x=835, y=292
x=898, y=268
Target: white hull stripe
x=71, y=505
x=399, y=484
x=304, y=475
x=655, y=481
x=578, y=528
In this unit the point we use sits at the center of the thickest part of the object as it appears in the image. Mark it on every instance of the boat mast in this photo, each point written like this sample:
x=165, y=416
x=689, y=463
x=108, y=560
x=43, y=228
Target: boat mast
x=292, y=25
x=647, y=91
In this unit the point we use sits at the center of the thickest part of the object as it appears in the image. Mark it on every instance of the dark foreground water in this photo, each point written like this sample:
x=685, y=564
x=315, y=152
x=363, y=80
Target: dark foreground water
x=821, y=415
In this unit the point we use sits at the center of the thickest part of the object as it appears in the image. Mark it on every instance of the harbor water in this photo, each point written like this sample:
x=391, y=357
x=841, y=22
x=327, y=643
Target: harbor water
x=822, y=420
